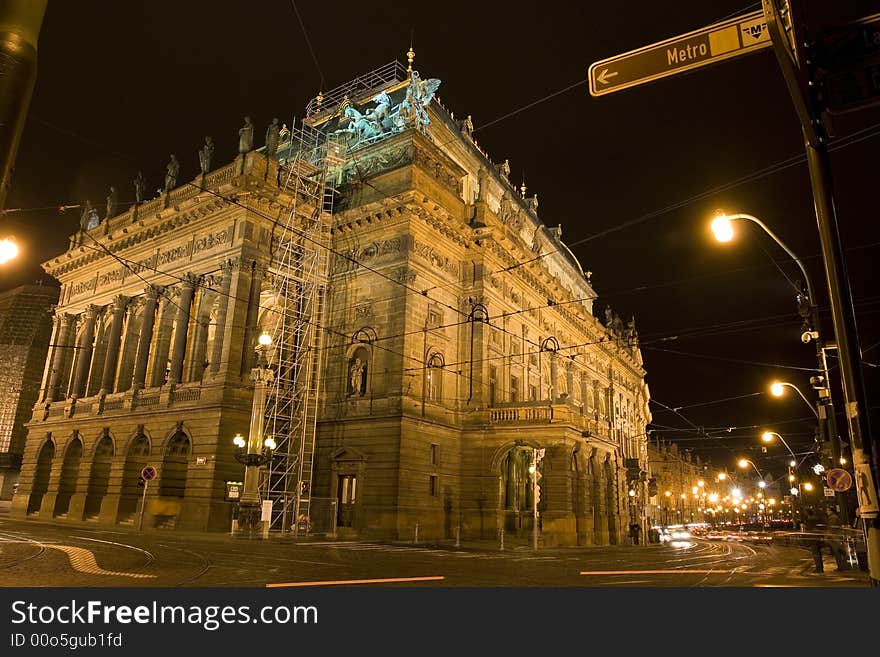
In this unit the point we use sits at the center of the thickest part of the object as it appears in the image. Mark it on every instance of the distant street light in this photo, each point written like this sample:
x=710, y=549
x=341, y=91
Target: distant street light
x=744, y=463
x=8, y=250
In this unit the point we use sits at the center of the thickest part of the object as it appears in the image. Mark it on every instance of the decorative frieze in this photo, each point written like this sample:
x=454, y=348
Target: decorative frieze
x=437, y=260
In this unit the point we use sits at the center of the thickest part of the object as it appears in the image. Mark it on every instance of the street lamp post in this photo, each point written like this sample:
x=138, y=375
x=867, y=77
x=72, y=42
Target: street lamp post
x=258, y=451
x=777, y=389
x=723, y=229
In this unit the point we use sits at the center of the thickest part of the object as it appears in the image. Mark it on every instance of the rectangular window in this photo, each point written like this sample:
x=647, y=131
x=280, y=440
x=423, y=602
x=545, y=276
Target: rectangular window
x=433, y=319
x=434, y=485
x=347, y=491
x=514, y=388
x=435, y=454
x=493, y=375
x=533, y=393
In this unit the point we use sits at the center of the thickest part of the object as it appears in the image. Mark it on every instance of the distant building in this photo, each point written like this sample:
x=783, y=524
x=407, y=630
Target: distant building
x=456, y=342
x=25, y=325
x=677, y=474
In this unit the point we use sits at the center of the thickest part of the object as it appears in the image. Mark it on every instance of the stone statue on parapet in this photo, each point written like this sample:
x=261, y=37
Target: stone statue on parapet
x=112, y=204
x=533, y=204
x=246, y=136
x=273, y=135
x=418, y=95
x=206, y=154
x=88, y=218
x=140, y=186
x=467, y=127
x=171, y=173
x=609, y=317
x=504, y=170
x=284, y=135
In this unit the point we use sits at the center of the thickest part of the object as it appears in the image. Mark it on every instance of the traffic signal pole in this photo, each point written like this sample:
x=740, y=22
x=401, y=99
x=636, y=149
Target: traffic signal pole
x=787, y=34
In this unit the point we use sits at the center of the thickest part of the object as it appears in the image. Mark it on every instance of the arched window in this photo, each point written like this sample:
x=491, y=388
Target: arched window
x=434, y=378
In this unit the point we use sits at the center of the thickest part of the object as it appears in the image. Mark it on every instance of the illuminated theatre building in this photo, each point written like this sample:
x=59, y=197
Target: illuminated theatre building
x=443, y=337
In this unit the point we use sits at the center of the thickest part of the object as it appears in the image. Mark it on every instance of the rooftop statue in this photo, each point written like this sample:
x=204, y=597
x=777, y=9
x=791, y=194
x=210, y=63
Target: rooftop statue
x=384, y=119
x=246, y=136
x=140, y=186
x=206, y=154
x=273, y=135
x=89, y=217
x=504, y=170
x=112, y=203
x=171, y=173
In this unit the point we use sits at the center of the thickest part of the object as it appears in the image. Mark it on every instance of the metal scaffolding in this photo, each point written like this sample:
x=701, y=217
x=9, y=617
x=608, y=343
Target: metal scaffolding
x=298, y=271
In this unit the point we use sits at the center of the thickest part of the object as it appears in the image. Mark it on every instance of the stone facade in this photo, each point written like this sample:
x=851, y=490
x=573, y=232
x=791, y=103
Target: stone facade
x=459, y=345
x=148, y=364
x=677, y=474
x=25, y=324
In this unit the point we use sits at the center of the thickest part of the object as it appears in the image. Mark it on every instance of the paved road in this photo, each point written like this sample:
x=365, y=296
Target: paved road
x=41, y=554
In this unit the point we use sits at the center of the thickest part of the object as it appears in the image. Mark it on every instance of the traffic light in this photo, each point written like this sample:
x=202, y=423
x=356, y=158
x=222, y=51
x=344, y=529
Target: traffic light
x=652, y=487
x=632, y=469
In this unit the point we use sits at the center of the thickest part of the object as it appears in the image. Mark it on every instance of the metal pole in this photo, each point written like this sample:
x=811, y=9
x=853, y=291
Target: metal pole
x=865, y=458
x=535, y=499
x=143, y=504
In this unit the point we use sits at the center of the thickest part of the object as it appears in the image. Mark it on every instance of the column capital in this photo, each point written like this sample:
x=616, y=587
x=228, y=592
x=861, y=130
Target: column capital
x=190, y=280
x=92, y=310
x=153, y=291
x=228, y=264
x=120, y=301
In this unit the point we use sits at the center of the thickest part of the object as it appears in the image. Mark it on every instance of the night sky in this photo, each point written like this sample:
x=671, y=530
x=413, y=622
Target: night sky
x=630, y=176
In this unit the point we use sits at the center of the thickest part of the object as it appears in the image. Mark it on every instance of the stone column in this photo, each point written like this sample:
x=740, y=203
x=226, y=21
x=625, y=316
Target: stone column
x=554, y=377
x=145, y=338
x=253, y=310
x=181, y=329
x=110, y=360
x=163, y=337
x=585, y=386
x=62, y=344
x=84, y=356
x=222, y=308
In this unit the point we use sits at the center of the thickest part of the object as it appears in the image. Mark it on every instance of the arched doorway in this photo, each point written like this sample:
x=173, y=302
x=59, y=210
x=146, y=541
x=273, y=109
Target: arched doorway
x=136, y=458
x=172, y=482
x=69, y=475
x=41, y=476
x=517, y=490
x=99, y=477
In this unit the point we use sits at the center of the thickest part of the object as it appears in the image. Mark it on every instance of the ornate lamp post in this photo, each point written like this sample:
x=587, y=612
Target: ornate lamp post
x=255, y=451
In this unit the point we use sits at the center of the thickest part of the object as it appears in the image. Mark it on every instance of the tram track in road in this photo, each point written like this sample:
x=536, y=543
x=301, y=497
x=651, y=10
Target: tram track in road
x=205, y=565
x=20, y=539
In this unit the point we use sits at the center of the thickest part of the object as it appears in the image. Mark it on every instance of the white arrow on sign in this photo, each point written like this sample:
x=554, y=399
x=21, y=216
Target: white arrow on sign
x=604, y=75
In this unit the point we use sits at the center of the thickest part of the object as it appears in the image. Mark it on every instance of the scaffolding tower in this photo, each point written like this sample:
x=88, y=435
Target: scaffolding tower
x=299, y=271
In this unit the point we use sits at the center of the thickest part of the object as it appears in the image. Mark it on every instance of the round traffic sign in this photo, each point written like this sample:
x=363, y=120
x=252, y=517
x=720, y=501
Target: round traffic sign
x=839, y=479
x=149, y=473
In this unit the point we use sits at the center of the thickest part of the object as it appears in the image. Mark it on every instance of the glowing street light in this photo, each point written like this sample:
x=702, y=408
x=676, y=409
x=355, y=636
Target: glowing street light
x=777, y=389
x=8, y=250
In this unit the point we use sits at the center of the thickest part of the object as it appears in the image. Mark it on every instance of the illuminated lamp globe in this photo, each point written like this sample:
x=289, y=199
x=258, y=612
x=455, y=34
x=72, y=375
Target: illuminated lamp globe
x=722, y=227
x=792, y=463
x=270, y=443
x=762, y=484
x=264, y=340
x=238, y=441
x=8, y=250
x=808, y=486
x=777, y=389
x=793, y=490
x=743, y=463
